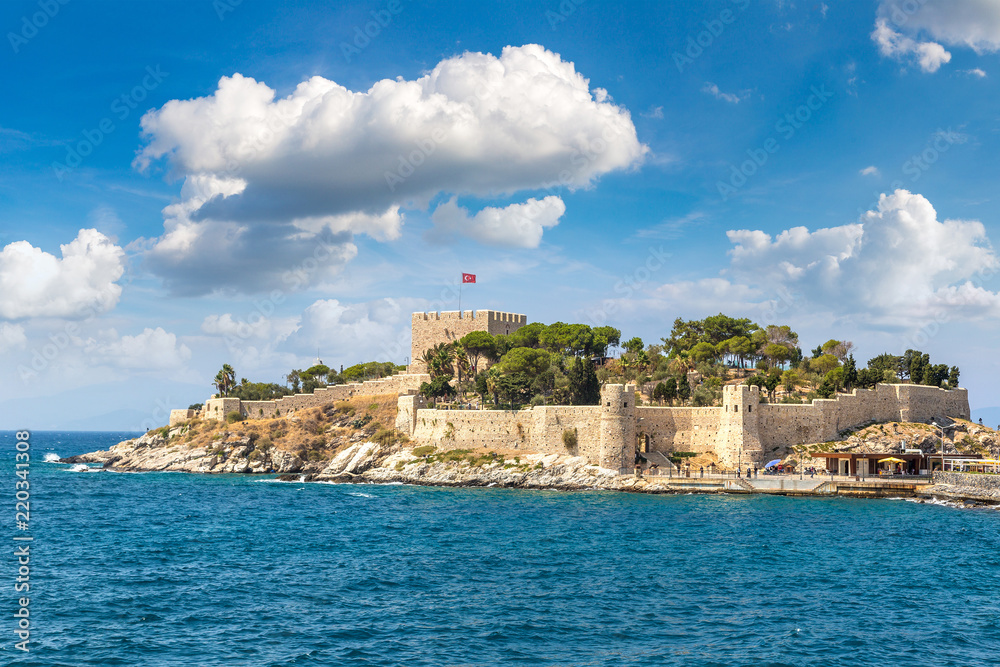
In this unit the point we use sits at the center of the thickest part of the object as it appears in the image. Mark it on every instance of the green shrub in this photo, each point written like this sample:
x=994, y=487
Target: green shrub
x=362, y=422
x=385, y=436
x=234, y=416
x=424, y=450
x=569, y=438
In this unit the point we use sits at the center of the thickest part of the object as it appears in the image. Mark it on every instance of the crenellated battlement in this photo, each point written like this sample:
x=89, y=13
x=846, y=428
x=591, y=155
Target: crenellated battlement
x=488, y=315
x=508, y=318
x=742, y=432
x=430, y=328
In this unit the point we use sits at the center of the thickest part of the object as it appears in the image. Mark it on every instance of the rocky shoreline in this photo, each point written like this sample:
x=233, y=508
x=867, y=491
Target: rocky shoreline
x=961, y=494
x=363, y=462
x=367, y=462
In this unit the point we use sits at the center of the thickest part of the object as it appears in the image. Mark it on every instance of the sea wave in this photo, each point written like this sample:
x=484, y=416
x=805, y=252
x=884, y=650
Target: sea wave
x=51, y=457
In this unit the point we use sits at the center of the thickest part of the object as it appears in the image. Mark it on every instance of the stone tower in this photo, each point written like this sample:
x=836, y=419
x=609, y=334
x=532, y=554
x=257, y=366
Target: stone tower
x=617, y=426
x=739, y=430
x=429, y=329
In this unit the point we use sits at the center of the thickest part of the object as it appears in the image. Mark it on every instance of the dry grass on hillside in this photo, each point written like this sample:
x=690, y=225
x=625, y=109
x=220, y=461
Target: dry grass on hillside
x=313, y=433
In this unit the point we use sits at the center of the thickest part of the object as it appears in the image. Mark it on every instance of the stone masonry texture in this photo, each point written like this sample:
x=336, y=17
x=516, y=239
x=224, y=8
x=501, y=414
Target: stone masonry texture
x=743, y=431
x=429, y=329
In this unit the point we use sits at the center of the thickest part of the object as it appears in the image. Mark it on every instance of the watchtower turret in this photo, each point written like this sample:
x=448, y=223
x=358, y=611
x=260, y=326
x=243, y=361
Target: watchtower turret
x=617, y=426
x=739, y=431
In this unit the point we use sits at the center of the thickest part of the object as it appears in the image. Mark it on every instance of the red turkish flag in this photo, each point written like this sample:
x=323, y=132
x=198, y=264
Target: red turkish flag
x=468, y=277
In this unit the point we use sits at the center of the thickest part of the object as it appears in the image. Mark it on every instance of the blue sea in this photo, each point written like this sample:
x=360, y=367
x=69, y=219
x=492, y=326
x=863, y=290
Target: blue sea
x=180, y=569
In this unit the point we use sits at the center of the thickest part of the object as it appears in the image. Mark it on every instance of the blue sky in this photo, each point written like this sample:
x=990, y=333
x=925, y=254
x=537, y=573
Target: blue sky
x=246, y=169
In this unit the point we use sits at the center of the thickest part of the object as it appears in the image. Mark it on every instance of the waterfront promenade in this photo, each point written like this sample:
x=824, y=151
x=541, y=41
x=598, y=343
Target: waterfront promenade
x=791, y=485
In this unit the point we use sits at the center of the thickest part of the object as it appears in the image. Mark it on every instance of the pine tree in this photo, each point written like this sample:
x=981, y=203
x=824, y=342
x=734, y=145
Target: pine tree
x=850, y=372
x=584, y=387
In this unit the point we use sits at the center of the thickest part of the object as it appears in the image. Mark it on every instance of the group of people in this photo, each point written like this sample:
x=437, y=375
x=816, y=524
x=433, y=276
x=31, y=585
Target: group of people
x=751, y=472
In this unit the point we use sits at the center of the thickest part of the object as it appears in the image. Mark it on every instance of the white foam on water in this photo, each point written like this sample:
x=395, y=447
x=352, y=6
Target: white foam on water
x=361, y=495
x=51, y=457
x=941, y=502
x=80, y=467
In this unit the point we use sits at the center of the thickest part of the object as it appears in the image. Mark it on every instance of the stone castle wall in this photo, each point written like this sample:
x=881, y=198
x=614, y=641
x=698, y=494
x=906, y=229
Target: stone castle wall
x=402, y=383
x=741, y=432
x=987, y=485
x=429, y=329
x=679, y=429
x=180, y=416
x=824, y=419
x=538, y=429
x=921, y=403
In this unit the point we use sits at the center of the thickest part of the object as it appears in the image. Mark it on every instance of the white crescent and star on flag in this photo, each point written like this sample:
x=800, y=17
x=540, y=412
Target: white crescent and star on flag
x=468, y=277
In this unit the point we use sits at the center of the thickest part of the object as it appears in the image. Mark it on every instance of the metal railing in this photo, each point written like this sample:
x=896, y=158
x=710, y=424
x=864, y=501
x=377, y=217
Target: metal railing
x=819, y=476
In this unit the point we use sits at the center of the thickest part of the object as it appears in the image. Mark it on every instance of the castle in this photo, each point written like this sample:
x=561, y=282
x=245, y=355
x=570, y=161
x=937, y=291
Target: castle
x=429, y=329
x=743, y=431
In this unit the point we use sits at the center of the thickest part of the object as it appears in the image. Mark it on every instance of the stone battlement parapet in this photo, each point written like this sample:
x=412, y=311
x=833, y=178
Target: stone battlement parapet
x=431, y=328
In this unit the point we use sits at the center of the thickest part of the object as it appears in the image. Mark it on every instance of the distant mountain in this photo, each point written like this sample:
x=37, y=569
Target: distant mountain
x=990, y=416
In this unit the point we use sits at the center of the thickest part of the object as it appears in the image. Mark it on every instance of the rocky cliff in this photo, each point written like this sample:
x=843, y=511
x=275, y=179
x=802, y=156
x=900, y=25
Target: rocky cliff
x=370, y=462
x=965, y=438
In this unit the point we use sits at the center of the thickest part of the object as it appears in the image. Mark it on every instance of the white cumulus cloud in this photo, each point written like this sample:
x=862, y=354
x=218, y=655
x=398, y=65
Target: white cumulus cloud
x=34, y=283
x=271, y=329
x=898, y=261
x=870, y=171
x=517, y=225
x=897, y=265
x=348, y=333
x=11, y=336
x=892, y=44
x=265, y=176
x=153, y=349
x=900, y=27
x=971, y=23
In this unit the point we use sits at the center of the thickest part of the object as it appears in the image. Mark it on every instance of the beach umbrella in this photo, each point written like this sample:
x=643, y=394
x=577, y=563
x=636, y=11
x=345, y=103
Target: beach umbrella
x=891, y=459
x=772, y=463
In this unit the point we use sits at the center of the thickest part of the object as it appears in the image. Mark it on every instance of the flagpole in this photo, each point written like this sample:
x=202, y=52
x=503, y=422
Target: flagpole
x=460, y=297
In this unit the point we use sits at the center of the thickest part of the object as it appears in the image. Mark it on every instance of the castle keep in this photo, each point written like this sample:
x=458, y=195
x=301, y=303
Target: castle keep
x=429, y=329
x=743, y=431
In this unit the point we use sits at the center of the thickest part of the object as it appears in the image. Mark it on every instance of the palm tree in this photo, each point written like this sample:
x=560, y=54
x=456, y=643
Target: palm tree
x=225, y=380
x=427, y=358
x=462, y=365
x=439, y=360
